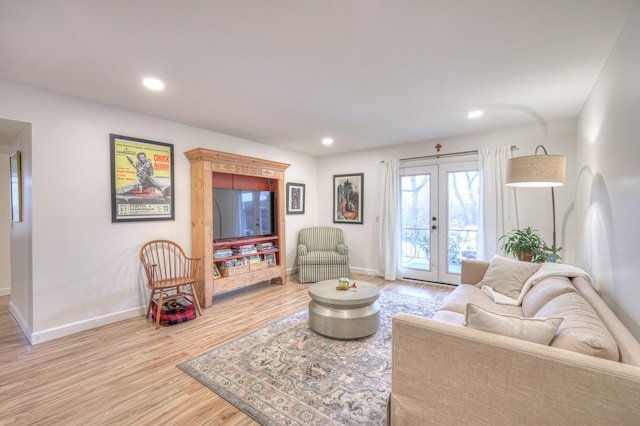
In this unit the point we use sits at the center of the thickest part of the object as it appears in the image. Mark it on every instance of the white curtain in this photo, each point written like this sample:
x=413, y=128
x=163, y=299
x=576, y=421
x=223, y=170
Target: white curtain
x=389, y=238
x=498, y=211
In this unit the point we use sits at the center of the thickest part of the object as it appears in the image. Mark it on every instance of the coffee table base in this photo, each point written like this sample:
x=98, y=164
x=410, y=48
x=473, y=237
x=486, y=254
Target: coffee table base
x=341, y=323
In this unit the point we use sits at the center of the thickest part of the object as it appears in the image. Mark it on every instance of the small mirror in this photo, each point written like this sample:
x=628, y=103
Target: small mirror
x=16, y=187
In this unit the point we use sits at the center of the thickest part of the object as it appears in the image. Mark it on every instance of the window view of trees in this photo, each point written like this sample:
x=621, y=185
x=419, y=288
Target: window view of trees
x=463, y=198
x=416, y=202
x=462, y=219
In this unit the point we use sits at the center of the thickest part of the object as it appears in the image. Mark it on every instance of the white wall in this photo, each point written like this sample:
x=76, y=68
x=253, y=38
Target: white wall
x=85, y=269
x=5, y=227
x=534, y=204
x=607, y=197
x=21, y=304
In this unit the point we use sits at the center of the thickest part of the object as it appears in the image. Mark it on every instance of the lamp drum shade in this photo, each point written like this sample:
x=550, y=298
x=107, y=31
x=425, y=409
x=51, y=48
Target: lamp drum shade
x=536, y=171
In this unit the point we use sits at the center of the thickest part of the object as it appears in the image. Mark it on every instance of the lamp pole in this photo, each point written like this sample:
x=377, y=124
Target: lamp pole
x=553, y=198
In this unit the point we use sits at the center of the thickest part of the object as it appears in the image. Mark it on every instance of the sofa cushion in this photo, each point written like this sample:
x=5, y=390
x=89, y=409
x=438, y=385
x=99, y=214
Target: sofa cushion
x=581, y=329
x=543, y=291
x=507, y=276
x=449, y=317
x=457, y=301
x=536, y=330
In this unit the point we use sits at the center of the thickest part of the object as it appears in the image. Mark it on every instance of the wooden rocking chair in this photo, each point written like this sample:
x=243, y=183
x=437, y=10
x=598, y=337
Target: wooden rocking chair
x=170, y=273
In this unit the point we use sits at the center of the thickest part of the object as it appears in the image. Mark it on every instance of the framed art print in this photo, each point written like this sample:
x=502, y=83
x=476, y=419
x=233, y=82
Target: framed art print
x=141, y=180
x=270, y=258
x=347, y=198
x=295, y=198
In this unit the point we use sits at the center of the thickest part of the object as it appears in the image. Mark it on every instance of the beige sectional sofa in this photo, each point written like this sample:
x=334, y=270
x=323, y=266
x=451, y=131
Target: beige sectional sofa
x=446, y=372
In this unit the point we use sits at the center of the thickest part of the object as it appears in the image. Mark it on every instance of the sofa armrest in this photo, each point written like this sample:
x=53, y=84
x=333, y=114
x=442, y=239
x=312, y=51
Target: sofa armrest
x=447, y=374
x=472, y=271
x=342, y=249
x=302, y=250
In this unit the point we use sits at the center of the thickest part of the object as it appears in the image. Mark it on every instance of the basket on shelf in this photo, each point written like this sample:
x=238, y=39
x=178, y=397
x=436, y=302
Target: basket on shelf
x=235, y=270
x=258, y=266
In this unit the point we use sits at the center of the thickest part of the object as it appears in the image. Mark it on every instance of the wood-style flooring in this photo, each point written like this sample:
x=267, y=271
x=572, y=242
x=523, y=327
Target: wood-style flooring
x=125, y=373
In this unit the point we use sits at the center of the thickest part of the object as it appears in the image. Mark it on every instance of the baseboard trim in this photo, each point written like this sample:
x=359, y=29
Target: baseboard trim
x=17, y=315
x=363, y=271
x=75, y=327
x=5, y=291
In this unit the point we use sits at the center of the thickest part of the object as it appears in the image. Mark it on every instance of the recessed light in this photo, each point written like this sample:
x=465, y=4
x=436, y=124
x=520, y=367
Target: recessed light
x=475, y=114
x=327, y=141
x=153, y=83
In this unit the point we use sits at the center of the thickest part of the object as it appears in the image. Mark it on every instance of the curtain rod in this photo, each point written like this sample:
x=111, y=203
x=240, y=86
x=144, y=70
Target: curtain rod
x=449, y=154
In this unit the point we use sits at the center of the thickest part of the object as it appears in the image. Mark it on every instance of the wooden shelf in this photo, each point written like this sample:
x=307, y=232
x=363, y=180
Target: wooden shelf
x=207, y=168
x=236, y=241
x=240, y=256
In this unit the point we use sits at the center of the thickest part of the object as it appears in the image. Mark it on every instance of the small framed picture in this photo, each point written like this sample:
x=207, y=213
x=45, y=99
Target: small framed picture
x=295, y=198
x=216, y=272
x=270, y=258
x=348, y=191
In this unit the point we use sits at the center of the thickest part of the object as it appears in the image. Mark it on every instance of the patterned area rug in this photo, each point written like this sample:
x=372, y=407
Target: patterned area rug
x=286, y=374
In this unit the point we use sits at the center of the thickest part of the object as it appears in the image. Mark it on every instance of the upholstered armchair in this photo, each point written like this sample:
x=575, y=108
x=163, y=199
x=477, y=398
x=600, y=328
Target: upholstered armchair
x=322, y=254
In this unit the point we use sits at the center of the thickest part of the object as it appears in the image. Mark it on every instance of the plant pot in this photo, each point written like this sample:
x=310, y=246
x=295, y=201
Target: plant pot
x=524, y=256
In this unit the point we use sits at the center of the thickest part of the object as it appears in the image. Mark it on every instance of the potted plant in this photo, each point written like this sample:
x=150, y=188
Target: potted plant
x=526, y=245
x=551, y=253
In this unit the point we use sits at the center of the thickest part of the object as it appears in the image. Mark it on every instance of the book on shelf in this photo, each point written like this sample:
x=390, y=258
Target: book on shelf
x=222, y=253
x=264, y=246
x=243, y=246
x=232, y=263
x=245, y=251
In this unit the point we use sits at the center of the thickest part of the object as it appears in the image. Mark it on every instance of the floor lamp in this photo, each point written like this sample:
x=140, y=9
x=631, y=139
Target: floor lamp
x=536, y=171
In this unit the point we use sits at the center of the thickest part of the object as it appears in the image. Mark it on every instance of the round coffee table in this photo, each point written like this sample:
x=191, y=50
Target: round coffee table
x=344, y=314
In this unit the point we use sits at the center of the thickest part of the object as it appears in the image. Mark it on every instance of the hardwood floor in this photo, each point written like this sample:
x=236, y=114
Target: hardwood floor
x=126, y=374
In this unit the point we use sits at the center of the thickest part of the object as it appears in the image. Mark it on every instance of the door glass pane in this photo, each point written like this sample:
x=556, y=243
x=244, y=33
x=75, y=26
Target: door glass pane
x=416, y=213
x=463, y=191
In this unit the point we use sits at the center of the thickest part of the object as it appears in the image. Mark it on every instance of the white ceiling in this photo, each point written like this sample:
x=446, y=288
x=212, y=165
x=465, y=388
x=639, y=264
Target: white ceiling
x=369, y=73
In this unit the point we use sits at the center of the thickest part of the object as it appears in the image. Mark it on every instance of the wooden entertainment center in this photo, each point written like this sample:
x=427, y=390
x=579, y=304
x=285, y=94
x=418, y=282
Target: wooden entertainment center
x=215, y=169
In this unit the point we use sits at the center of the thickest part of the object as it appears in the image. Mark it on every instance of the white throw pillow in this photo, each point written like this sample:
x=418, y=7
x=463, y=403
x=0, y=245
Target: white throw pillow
x=507, y=276
x=537, y=330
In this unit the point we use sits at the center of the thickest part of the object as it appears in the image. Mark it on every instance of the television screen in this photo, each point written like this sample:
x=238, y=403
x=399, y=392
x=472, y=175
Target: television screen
x=239, y=213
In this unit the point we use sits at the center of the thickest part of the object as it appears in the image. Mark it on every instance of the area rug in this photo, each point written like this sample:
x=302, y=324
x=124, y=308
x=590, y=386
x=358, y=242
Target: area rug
x=286, y=374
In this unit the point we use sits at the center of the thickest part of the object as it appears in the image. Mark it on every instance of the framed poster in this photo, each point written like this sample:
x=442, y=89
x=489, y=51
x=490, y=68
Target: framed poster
x=16, y=186
x=141, y=180
x=295, y=198
x=347, y=198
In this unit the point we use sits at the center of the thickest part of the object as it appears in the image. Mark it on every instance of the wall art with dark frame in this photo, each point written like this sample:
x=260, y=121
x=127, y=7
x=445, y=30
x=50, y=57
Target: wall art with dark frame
x=16, y=186
x=295, y=198
x=348, y=191
x=141, y=180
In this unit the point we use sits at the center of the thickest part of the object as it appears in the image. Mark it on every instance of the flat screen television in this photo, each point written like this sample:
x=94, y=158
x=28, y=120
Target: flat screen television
x=240, y=213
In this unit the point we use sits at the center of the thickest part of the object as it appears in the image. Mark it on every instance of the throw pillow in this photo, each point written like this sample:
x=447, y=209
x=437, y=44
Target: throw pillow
x=507, y=276
x=537, y=330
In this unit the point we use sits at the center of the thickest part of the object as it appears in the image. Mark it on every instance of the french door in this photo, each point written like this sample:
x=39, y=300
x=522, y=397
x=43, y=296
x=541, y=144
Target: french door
x=439, y=219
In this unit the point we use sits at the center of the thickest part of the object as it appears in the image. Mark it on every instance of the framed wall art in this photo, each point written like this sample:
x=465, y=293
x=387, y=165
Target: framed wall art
x=16, y=186
x=141, y=180
x=348, y=191
x=270, y=258
x=295, y=198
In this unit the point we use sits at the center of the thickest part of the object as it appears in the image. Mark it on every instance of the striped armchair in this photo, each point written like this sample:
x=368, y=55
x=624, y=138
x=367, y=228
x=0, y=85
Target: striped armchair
x=322, y=254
